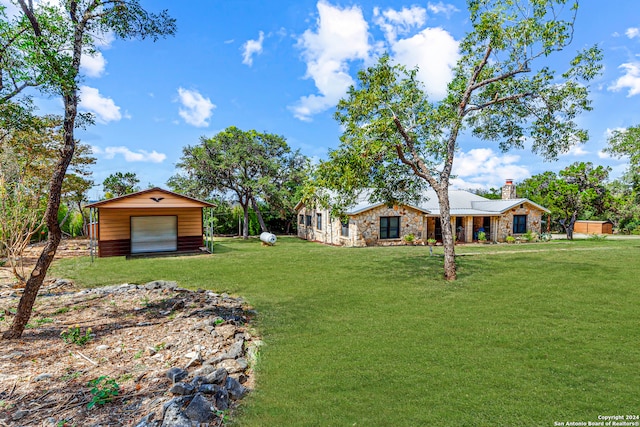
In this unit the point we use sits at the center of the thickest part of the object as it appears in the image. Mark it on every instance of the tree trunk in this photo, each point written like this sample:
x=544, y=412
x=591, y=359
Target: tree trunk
x=51, y=217
x=447, y=234
x=256, y=209
x=572, y=223
x=245, y=222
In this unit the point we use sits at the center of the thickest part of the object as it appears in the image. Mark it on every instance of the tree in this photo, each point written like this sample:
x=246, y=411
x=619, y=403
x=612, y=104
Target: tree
x=579, y=191
x=251, y=166
x=54, y=39
x=626, y=142
x=624, y=211
x=118, y=184
x=397, y=141
x=26, y=157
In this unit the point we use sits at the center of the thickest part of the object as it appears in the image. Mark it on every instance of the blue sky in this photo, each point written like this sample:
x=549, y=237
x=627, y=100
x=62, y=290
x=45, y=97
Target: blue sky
x=281, y=66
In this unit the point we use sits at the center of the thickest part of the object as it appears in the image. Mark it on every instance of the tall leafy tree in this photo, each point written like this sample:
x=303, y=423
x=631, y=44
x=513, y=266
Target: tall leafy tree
x=118, y=184
x=397, y=140
x=626, y=143
x=54, y=39
x=249, y=165
x=578, y=191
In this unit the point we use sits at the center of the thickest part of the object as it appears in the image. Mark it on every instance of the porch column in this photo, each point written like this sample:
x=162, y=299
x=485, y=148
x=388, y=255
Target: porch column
x=467, y=222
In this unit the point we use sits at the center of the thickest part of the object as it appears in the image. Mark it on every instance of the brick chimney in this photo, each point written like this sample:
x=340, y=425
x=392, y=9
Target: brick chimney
x=509, y=190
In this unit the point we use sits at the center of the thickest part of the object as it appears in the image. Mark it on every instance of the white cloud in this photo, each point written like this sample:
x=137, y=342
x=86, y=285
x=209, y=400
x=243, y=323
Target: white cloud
x=130, y=156
x=632, y=32
x=341, y=37
x=630, y=80
x=440, y=7
x=483, y=168
x=576, y=150
x=603, y=155
x=104, y=109
x=435, y=52
x=93, y=65
x=196, y=109
x=394, y=22
x=251, y=48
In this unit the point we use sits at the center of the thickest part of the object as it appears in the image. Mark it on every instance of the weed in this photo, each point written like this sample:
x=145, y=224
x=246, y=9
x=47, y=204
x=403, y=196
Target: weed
x=39, y=322
x=61, y=310
x=71, y=376
x=104, y=389
x=159, y=347
x=138, y=354
x=74, y=335
x=597, y=237
x=124, y=378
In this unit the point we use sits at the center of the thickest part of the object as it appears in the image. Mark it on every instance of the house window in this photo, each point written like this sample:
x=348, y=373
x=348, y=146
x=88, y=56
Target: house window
x=308, y=221
x=319, y=221
x=389, y=227
x=344, y=231
x=301, y=221
x=519, y=224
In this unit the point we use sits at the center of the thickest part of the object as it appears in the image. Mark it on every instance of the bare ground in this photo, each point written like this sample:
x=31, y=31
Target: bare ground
x=136, y=337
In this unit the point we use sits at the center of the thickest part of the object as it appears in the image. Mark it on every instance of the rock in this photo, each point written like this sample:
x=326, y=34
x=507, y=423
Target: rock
x=176, y=374
x=43, y=377
x=102, y=347
x=230, y=365
x=182, y=389
x=209, y=388
x=226, y=331
x=235, y=350
x=206, y=369
x=221, y=398
x=219, y=376
x=19, y=414
x=174, y=417
x=234, y=388
x=199, y=410
x=146, y=421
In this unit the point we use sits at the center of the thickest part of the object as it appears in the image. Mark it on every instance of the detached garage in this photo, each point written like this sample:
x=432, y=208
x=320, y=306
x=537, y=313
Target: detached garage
x=148, y=222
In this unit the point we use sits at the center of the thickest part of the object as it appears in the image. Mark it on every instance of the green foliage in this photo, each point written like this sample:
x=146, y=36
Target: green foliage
x=510, y=239
x=254, y=167
x=577, y=189
x=482, y=236
x=409, y=238
x=103, y=389
x=74, y=335
x=626, y=143
x=118, y=184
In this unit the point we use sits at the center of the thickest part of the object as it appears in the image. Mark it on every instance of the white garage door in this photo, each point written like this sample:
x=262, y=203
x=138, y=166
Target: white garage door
x=154, y=234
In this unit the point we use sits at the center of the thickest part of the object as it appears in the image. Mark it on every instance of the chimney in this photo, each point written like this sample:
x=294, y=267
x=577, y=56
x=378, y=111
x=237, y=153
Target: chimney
x=509, y=190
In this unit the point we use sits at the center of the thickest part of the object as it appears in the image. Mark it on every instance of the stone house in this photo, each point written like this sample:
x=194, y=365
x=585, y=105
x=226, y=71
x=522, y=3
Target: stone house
x=371, y=224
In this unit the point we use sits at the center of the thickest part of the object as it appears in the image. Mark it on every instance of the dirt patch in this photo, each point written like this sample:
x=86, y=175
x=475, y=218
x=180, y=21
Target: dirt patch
x=134, y=337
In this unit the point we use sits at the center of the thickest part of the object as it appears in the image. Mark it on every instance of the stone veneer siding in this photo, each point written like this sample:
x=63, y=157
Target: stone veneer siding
x=505, y=222
x=364, y=228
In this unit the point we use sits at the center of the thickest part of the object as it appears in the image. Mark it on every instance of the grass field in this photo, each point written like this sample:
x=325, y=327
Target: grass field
x=530, y=335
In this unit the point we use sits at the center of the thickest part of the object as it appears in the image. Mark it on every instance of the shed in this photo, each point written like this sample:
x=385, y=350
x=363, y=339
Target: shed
x=593, y=227
x=147, y=222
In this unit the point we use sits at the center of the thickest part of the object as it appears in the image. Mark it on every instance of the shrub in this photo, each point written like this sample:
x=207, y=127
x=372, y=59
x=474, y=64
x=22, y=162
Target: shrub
x=73, y=335
x=510, y=239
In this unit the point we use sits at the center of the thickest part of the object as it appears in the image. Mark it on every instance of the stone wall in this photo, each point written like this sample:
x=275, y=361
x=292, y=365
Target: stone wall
x=505, y=222
x=364, y=228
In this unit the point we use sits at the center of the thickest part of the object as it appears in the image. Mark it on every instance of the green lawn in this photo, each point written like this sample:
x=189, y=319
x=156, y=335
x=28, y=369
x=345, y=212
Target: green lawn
x=529, y=335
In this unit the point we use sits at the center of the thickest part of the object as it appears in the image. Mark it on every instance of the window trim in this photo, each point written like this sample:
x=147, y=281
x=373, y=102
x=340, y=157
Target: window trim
x=344, y=228
x=521, y=222
x=386, y=230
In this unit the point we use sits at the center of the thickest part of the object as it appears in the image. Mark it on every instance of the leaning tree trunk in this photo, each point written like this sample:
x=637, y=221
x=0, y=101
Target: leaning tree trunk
x=51, y=218
x=256, y=209
x=447, y=234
